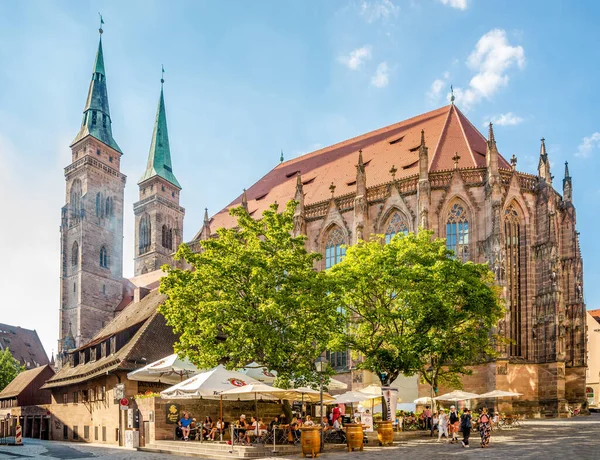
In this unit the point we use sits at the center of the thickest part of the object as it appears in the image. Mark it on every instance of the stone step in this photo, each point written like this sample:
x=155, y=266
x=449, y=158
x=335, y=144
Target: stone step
x=206, y=450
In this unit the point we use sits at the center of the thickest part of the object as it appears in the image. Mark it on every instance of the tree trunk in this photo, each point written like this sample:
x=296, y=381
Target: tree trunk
x=287, y=410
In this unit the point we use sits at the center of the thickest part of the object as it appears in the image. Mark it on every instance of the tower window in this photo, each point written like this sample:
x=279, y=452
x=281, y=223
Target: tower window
x=74, y=287
x=98, y=205
x=98, y=152
x=75, y=200
x=108, y=207
x=162, y=187
x=144, y=234
x=103, y=257
x=173, y=194
x=103, y=121
x=110, y=159
x=94, y=116
x=75, y=254
x=167, y=237
x=104, y=289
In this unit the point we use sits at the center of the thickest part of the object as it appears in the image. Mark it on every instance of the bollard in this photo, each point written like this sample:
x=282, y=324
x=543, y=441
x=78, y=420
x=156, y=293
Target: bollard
x=18, y=434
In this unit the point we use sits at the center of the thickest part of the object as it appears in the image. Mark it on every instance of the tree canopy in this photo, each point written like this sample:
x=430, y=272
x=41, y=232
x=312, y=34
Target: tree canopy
x=9, y=368
x=252, y=294
x=413, y=308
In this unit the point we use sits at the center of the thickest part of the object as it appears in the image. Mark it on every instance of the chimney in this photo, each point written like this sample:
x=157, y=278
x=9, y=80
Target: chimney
x=139, y=293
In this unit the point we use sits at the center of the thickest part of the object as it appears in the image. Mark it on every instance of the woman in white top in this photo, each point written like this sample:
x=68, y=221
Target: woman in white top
x=442, y=425
x=218, y=428
x=308, y=421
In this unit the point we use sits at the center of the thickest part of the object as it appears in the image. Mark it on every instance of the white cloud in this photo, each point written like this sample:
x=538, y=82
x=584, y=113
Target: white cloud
x=458, y=4
x=437, y=87
x=355, y=59
x=382, y=76
x=378, y=9
x=492, y=58
x=588, y=144
x=505, y=119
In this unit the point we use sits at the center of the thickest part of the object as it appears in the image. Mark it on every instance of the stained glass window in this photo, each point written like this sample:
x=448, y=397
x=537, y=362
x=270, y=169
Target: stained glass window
x=457, y=232
x=334, y=251
x=397, y=224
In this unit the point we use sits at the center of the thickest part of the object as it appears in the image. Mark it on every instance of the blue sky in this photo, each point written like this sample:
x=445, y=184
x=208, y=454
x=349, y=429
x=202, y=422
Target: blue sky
x=247, y=79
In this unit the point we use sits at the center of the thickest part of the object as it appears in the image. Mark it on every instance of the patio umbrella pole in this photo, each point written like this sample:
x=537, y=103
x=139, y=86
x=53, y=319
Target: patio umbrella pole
x=221, y=415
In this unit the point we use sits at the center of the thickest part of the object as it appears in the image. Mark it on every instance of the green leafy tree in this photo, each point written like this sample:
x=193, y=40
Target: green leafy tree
x=413, y=308
x=252, y=294
x=9, y=368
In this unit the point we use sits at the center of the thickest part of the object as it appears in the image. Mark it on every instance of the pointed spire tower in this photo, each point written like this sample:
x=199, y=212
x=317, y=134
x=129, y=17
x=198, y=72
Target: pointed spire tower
x=92, y=221
x=360, y=201
x=299, y=215
x=96, y=113
x=423, y=187
x=544, y=164
x=158, y=216
x=567, y=185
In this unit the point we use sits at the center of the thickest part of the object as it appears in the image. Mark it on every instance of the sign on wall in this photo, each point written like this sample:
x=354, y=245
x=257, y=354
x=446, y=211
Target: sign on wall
x=172, y=413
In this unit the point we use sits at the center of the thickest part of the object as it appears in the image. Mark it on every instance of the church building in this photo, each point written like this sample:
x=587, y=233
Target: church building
x=433, y=171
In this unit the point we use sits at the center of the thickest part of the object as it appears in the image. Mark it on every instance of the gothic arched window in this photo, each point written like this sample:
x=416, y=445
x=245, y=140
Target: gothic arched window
x=512, y=249
x=457, y=232
x=167, y=237
x=75, y=200
x=75, y=254
x=334, y=251
x=144, y=234
x=103, y=257
x=396, y=224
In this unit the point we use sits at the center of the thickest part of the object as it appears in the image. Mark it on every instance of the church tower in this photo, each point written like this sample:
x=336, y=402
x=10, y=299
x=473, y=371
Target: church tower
x=158, y=216
x=92, y=222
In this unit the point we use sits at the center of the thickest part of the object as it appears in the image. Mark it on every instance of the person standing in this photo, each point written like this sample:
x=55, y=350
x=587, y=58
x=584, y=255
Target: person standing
x=442, y=425
x=335, y=414
x=427, y=419
x=485, y=428
x=454, y=421
x=465, y=424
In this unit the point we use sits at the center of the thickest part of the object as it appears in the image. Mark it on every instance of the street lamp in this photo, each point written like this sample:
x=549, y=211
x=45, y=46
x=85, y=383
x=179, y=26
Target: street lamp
x=321, y=366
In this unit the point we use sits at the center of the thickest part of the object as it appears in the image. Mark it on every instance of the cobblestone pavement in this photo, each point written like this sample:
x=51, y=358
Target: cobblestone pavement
x=577, y=438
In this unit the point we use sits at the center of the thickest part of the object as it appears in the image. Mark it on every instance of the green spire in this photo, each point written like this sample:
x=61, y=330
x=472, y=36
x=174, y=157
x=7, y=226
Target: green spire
x=96, y=114
x=159, y=158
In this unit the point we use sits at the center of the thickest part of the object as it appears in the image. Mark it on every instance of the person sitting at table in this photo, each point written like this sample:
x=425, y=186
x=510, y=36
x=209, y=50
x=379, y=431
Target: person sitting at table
x=325, y=424
x=308, y=421
x=240, y=429
x=283, y=419
x=337, y=424
x=216, y=429
x=207, y=427
x=185, y=423
x=252, y=431
x=274, y=423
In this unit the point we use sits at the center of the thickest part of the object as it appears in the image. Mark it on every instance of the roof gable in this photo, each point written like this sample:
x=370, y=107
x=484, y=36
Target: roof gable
x=447, y=131
x=24, y=345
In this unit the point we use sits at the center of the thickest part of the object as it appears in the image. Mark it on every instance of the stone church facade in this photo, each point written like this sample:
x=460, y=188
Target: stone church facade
x=434, y=171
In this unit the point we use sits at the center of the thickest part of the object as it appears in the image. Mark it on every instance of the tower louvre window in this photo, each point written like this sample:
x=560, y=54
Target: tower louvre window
x=75, y=200
x=94, y=116
x=103, y=257
x=167, y=237
x=98, y=205
x=103, y=121
x=75, y=254
x=144, y=234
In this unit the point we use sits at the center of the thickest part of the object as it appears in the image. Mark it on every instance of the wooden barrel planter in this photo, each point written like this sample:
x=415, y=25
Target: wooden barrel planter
x=354, y=436
x=310, y=439
x=385, y=433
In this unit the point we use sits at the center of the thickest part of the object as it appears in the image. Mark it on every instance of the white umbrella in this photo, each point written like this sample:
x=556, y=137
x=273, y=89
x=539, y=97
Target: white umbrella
x=260, y=373
x=256, y=388
x=456, y=395
x=500, y=394
x=423, y=401
x=372, y=390
x=209, y=384
x=166, y=370
x=352, y=397
x=306, y=394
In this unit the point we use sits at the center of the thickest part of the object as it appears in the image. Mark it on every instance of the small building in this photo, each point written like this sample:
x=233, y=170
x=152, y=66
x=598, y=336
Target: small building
x=592, y=376
x=24, y=344
x=25, y=389
x=87, y=389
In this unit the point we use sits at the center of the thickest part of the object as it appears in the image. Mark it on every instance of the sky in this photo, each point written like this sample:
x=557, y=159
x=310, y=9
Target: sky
x=245, y=80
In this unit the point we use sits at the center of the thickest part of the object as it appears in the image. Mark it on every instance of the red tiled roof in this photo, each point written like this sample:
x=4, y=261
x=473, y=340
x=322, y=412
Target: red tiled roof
x=595, y=314
x=447, y=131
x=24, y=345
